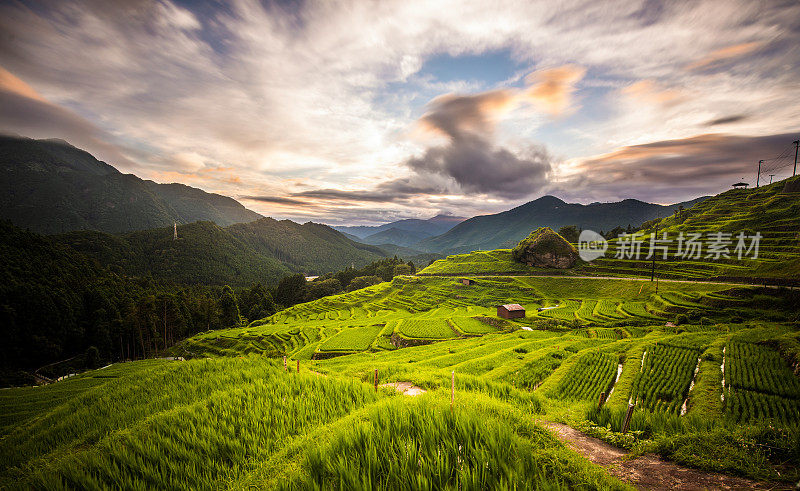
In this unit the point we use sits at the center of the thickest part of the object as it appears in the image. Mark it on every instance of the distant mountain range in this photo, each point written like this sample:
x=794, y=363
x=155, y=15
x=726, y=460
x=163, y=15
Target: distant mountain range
x=415, y=227
x=50, y=187
x=503, y=230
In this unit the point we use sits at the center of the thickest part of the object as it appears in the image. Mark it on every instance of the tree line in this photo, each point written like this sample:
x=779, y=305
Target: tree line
x=57, y=303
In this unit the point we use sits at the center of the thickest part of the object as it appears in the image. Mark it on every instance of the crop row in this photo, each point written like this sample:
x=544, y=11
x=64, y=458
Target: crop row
x=591, y=374
x=469, y=325
x=352, y=339
x=426, y=328
x=663, y=381
x=759, y=368
x=748, y=406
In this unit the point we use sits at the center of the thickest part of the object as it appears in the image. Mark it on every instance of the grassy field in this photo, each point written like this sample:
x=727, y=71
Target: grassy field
x=711, y=368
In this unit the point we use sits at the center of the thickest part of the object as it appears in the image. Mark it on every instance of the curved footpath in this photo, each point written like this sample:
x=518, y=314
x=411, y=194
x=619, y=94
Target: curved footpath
x=650, y=471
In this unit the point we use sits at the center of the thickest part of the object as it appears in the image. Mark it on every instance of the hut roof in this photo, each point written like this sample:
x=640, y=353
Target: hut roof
x=513, y=306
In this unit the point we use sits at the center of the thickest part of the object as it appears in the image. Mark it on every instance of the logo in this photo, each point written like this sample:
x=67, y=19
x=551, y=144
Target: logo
x=591, y=245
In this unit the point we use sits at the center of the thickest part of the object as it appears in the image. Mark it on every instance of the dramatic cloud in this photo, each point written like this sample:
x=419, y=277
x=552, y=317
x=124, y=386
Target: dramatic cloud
x=727, y=120
x=27, y=113
x=674, y=170
x=471, y=158
x=552, y=89
x=477, y=166
x=302, y=97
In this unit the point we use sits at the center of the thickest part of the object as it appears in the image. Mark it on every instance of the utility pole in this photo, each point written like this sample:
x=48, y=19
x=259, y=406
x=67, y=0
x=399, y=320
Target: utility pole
x=653, y=268
x=796, y=144
x=758, y=177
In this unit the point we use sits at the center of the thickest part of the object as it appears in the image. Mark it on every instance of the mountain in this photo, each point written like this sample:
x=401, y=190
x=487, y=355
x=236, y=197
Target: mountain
x=51, y=187
x=263, y=251
x=395, y=236
x=503, y=230
x=423, y=228
x=308, y=248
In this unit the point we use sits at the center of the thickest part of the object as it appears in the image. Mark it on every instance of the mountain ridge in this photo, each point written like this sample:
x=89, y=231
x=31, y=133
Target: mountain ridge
x=264, y=251
x=51, y=187
x=430, y=227
x=504, y=229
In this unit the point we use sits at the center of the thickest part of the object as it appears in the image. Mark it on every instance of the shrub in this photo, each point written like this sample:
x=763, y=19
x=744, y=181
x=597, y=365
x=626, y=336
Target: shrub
x=681, y=319
x=92, y=357
x=363, y=282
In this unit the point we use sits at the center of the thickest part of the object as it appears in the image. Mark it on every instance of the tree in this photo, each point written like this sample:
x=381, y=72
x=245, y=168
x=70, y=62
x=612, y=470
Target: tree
x=258, y=303
x=363, y=282
x=228, y=308
x=614, y=232
x=402, y=269
x=291, y=290
x=318, y=289
x=92, y=357
x=570, y=233
x=208, y=311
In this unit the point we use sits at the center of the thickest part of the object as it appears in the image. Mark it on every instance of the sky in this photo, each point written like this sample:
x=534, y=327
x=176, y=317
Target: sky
x=362, y=112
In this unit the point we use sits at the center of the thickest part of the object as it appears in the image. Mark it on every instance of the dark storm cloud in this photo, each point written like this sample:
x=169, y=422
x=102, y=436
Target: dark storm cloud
x=340, y=195
x=470, y=158
x=727, y=120
x=398, y=190
x=674, y=170
x=277, y=199
x=477, y=166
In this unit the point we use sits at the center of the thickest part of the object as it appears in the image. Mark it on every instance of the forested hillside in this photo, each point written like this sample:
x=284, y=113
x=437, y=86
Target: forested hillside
x=56, y=303
x=205, y=253
x=51, y=187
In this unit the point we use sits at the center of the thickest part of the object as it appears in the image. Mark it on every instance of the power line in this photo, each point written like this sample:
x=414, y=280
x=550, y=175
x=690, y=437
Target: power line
x=768, y=167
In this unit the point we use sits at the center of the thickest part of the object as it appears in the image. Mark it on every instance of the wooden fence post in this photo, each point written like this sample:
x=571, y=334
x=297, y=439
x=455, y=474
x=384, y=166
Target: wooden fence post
x=627, y=418
x=284, y=363
x=601, y=400
x=298, y=366
x=376, y=380
x=452, y=389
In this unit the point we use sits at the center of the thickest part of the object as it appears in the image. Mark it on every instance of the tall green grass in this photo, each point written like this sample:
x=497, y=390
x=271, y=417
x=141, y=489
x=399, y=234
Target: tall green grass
x=423, y=445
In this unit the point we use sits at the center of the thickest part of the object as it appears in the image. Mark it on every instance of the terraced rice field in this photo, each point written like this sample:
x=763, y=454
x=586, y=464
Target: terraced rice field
x=759, y=384
x=591, y=374
x=664, y=380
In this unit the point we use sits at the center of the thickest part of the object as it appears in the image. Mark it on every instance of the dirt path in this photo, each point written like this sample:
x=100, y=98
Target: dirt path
x=649, y=471
x=579, y=277
x=407, y=388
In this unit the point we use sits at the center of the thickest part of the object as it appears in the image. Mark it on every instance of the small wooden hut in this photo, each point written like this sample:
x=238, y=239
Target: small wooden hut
x=511, y=311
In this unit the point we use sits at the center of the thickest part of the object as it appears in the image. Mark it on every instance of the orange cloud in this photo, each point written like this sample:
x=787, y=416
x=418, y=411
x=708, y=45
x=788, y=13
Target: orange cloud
x=551, y=90
x=649, y=91
x=453, y=114
x=722, y=55
x=11, y=83
x=694, y=145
